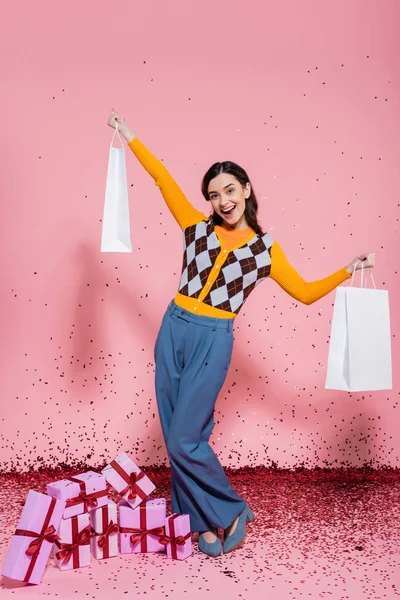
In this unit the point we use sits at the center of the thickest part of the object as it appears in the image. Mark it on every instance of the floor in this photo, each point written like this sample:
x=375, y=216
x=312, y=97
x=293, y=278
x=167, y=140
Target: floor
x=317, y=534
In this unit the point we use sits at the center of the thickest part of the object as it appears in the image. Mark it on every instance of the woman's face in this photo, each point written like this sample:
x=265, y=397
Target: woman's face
x=228, y=199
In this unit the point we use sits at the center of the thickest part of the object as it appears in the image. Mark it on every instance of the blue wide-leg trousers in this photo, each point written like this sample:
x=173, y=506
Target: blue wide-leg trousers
x=192, y=357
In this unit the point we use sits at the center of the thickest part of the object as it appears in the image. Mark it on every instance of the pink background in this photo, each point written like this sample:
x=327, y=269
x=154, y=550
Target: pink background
x=305, y=95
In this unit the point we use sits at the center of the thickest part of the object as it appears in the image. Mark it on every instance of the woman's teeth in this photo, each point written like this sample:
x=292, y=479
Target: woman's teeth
x=228, y=212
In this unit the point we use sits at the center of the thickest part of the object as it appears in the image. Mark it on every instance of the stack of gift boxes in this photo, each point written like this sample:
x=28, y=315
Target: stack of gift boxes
x=77, y=519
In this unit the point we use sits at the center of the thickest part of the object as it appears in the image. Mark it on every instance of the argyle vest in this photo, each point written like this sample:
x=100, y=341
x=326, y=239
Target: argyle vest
x=242, y=271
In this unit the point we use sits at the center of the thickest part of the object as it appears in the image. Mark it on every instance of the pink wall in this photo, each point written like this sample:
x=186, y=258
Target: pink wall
x=305, y=96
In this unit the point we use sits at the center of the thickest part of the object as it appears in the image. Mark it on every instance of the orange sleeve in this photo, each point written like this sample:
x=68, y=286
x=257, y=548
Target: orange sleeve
x=184, y=213
x=289, y=279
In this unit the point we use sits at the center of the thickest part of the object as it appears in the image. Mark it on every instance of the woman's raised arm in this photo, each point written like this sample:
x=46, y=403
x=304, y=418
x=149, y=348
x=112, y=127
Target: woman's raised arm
x=180, y=207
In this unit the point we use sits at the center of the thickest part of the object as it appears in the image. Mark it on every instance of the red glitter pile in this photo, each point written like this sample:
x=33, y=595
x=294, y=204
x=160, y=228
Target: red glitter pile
x=317, y=533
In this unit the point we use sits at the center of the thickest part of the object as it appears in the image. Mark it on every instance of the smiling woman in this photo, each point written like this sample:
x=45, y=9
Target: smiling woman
x=227, y=186
x=225, y=257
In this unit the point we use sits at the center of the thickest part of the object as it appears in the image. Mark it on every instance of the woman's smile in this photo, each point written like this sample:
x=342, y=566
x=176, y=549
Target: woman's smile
x=228, y=212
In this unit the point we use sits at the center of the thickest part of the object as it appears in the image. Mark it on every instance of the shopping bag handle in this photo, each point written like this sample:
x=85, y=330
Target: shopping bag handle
x=116, y=132
x=362, y=275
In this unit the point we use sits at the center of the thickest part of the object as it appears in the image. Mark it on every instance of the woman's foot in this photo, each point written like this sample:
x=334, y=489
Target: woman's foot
x=231, y=529
x=209, y=543
x=209, y=536
x=237, y=532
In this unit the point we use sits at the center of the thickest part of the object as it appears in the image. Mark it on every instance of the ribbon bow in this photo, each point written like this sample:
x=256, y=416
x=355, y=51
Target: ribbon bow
x=179, y=540
x=34, y=547
x=138, y=534
x=112, y=528
x=88, y=499
x=82, y=539
x=132, y=485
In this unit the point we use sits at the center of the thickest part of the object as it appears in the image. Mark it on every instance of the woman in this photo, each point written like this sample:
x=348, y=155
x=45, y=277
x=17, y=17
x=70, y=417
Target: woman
x=225, y=257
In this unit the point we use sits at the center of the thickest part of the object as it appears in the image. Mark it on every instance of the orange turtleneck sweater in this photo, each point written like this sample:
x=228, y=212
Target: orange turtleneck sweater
x=185, y=214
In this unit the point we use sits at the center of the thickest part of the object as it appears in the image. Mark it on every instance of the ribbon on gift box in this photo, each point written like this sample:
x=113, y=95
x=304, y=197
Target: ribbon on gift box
x=89, y=500
x=142, y=533
x=172, y=539
x=81, y=538
x=47, y=533
x=131, y=480
x=107, y=529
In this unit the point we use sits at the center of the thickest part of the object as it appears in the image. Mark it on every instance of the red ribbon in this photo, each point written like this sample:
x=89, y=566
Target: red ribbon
x=72, y=549
x=179, y=541
x=34, y=547
x=46, y=534
x=172, y=539
x=89, y=500
x=138, y=534
x=131, y=480
x=104, y=538
x=111, y=529
x=142, y=533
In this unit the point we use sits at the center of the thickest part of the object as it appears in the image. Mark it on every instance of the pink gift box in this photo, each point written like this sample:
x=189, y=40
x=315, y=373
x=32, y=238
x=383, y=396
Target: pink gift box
x=126, y=477
x=148, y=517
x=178, y=536
x=35, y=534
x=82, y=493
x=104, y=522
x=73, y=549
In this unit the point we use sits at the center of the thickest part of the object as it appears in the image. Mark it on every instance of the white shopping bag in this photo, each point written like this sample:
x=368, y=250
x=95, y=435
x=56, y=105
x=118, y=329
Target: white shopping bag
x=360, y=356
x=116, y=234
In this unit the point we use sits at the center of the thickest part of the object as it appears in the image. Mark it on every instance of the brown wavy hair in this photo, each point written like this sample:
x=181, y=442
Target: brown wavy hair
x=240, y=174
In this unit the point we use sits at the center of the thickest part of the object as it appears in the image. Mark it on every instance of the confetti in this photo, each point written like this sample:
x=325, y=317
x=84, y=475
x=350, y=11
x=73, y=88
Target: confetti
x=317, y=533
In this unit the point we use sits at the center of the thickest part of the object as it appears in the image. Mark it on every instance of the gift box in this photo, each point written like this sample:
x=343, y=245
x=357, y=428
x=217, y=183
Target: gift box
x=126, y=477
x=104, y=522
x=33, y=539
x=178, y=538
x=72, y=549
x=140, y=528
x=81, y=492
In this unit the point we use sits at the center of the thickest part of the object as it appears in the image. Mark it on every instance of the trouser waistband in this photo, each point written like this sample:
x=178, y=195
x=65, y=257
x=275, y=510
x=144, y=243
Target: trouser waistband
x=215, y=323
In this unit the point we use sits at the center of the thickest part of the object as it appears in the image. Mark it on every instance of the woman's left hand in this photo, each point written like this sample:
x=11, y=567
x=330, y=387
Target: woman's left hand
x=366, y=260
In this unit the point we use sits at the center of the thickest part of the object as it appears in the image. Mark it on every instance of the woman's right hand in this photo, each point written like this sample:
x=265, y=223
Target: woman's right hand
x=123, y=125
